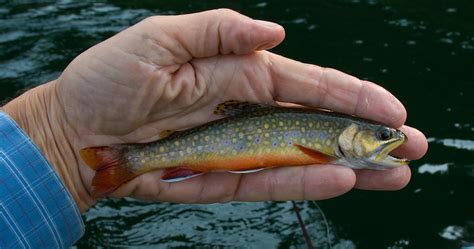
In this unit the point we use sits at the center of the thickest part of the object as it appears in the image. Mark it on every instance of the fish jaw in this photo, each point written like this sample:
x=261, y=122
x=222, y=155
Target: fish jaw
x=380, y=159
x=384, y=160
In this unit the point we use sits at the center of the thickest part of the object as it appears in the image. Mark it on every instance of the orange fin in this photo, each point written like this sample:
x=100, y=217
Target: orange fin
x=320, y=157
x=111, y=169
x=179, y=174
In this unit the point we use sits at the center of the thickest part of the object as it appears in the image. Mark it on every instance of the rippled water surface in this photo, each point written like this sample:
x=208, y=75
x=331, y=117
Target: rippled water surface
x=422, y=51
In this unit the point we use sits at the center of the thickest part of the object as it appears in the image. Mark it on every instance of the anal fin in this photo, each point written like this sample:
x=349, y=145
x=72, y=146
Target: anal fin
x=179, y=174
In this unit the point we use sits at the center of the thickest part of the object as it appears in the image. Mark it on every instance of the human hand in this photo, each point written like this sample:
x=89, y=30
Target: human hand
x=169, y=72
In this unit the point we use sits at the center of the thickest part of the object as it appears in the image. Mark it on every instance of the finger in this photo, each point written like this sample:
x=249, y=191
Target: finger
x=286, y=183
x=210, y=33
x=393, y=179
x=416, y=146
x=331, y=89
x=313, y=182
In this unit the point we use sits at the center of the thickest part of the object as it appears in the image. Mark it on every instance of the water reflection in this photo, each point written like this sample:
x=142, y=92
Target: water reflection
x=262, y=225
x=433, y=168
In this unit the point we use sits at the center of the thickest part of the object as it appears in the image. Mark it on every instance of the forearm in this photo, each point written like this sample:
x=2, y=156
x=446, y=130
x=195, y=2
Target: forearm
x=39, y=114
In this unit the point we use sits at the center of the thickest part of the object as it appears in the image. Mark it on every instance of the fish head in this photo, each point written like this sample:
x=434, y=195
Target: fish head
x=366, y=145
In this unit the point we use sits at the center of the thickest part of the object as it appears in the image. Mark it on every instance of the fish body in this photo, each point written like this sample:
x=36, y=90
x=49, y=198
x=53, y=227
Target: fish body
x=250, y=138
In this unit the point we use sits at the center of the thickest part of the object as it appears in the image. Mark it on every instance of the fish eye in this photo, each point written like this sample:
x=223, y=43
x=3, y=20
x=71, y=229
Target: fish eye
x=384, y=134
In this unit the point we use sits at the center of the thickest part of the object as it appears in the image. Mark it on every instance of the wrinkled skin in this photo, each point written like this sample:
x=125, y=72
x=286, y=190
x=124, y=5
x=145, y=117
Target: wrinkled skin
x=169, y=72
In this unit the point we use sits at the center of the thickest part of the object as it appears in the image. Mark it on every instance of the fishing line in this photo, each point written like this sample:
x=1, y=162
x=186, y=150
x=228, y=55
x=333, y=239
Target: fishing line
x=307, y=239
x=325, y=223
x=306, y=236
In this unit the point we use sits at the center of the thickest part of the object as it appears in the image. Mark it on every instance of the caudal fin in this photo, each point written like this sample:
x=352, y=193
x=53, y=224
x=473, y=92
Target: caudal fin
x=110, y=166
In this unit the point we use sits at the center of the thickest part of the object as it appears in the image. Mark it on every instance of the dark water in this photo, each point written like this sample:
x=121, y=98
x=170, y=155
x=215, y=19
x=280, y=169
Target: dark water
x=422, y=51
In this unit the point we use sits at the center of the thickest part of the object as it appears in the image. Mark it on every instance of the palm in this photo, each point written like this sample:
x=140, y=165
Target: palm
x=129, y=94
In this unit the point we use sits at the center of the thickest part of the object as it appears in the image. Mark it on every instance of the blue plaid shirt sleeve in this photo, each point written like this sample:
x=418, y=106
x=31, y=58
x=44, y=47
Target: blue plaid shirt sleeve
x=36, y=210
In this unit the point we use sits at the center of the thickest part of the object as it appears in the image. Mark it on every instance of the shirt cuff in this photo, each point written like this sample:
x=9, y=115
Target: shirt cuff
x=36, y=209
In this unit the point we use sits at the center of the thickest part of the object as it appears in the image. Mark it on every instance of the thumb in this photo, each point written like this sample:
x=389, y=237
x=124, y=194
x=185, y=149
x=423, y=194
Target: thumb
x=210, y=33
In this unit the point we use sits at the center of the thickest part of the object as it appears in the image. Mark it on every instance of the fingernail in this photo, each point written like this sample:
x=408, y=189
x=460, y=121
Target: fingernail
x=267, y=24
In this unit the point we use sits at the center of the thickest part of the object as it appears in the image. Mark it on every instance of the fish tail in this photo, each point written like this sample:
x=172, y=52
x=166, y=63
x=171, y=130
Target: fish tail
x=110, y=167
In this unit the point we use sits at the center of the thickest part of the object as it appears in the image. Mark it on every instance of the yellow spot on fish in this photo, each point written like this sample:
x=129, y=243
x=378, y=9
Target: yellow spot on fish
x=196, y=137
x=241, y=135
x=303, y=129
x=189, y=150
x=310, y=125
x=266, y=134
x=297, y=123
x=280, y=123
x=207, y=138
x=162, y=148
x=303, y=141
x=176, y=143
x=181, y=153
x=234, y=140
x=249, y=137
x=266, y=126
x=259, y=130
x=143, y=161
x=328, y=142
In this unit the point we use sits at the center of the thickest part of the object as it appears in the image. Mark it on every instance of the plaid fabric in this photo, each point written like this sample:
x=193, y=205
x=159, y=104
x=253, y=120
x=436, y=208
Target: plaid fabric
x=36, y=210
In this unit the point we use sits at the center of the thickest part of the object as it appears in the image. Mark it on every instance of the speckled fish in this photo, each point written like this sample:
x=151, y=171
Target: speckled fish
x=251, y=137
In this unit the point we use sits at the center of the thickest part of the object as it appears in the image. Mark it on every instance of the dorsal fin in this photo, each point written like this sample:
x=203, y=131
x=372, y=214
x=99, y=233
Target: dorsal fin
x=236, y=107
x=167, y=133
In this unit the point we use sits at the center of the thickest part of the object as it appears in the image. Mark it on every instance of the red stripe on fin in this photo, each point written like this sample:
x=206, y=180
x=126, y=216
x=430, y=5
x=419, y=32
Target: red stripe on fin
x=111, y=169
x=179, y=174
x=320, y=157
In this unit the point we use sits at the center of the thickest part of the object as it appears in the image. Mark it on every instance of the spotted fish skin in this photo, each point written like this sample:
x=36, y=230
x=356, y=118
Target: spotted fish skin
x=252, y=136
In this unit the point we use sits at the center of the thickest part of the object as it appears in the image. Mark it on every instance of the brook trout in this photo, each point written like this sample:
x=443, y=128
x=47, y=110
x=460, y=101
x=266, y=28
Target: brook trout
x=250, y=138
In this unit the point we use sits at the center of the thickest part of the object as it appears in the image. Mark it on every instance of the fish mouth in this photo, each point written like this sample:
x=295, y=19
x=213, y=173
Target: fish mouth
x=381, y=158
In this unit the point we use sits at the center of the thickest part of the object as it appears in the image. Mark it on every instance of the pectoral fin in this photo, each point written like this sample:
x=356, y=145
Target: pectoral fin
x=320, y=157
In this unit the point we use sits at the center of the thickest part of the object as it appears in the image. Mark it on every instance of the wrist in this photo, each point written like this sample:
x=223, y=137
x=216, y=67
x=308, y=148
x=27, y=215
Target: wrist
x=39, y=114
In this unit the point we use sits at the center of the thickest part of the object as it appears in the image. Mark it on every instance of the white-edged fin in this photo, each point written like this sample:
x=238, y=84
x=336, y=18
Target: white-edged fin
x=178, y=179
x=245, y=171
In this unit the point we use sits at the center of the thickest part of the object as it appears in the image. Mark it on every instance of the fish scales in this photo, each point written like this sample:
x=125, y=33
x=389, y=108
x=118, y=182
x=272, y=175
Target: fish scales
x=251, y=137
